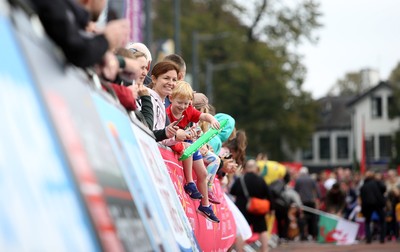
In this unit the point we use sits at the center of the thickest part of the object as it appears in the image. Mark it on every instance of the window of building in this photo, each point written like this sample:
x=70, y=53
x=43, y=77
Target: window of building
x=370, y=147
x=308, y=151
x=376, y=107
x=385, y=146
x=342, y=145
x=324, y=148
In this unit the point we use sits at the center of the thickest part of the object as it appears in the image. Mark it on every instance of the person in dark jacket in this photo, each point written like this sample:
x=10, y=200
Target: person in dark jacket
x=66, y=23
x=335, y=200
x=372, y=199
x=256, y=187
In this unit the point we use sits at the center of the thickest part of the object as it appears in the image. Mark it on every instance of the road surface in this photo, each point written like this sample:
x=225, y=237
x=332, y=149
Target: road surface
x=390, y=246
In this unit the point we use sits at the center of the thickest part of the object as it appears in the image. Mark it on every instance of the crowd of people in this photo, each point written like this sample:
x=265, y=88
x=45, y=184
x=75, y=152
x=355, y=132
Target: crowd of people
x=159, y=98
x=371, y=199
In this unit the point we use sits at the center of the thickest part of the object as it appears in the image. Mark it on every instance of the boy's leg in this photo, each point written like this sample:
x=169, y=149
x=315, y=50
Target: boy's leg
x=205, y=207
x=187, y=169
x=201, y=174
x=190, y=187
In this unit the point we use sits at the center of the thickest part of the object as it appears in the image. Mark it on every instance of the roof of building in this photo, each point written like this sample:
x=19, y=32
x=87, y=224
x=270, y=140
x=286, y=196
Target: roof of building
x=334, y=113
x=361, y=96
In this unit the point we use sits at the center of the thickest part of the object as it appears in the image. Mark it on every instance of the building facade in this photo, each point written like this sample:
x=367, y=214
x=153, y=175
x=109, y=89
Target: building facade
x=371, y=120
x=337, y=140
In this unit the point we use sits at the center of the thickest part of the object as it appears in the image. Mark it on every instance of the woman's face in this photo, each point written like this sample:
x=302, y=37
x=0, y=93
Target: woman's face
x=164, y=84
x=142, y=61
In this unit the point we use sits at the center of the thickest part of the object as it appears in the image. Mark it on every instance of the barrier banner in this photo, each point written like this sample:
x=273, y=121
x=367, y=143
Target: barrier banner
x=108, y=201
x=162, y=183
x=211, y=236
x=36, y=186
x=120, y=133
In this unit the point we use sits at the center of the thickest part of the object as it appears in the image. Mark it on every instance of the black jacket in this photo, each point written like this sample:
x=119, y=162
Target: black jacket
x=65, y=23
x=371, y=193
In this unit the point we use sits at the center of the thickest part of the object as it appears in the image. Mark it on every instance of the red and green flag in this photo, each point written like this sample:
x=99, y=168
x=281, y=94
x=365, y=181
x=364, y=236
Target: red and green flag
x=332, y=229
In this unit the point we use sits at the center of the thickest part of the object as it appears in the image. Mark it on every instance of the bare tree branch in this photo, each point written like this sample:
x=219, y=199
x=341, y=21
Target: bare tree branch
x=250, y=34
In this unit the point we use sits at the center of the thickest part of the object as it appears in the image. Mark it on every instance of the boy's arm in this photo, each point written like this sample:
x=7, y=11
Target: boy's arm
x=211, y=119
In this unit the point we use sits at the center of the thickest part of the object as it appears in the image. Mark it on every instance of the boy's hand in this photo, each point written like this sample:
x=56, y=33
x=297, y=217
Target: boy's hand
x=181, y=135
x=215, y=124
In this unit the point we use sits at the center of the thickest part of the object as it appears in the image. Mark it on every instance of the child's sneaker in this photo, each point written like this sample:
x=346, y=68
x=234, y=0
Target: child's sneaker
x=213, y=198
x=208, y=213
x=191, y=189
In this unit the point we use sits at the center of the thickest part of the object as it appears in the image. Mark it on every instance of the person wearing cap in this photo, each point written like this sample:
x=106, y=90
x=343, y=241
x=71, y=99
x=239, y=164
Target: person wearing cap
x=140, y=47
x=139, y=101
x=210, y=159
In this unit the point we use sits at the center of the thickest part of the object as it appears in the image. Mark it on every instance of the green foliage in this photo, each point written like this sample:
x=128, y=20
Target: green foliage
x=394, y=110
x=350, y=84
x=264, y=92
x=394, y=77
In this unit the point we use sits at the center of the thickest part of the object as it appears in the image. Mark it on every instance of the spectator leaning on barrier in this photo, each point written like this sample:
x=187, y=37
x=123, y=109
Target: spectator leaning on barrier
x=210, y=159
x=127, y=95
x=140, y=47
x=163, y=79
x=129, y=68
x=181, y=108
x=144, y=106
x=66, y=21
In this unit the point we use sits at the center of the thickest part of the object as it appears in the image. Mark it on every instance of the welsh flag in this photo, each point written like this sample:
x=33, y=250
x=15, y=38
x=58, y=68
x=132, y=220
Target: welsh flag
x=336, y=230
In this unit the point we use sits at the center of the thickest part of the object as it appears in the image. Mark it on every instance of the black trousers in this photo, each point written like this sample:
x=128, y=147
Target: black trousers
x=308, y=224
x=367, y=212
x=282, y=218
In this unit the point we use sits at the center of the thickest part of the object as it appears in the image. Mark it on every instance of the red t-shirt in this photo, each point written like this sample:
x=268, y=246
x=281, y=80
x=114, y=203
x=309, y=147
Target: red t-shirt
x=190, y=115
x=125, y=96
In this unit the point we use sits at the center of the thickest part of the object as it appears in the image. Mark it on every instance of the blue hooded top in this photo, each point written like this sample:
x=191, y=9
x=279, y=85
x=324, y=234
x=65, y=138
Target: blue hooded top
x=216, y=142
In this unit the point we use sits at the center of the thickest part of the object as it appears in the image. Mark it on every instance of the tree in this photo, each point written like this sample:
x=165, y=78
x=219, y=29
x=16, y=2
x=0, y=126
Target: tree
x=350, y=84
x=264, y=93
x=394, y=77
x=394, y=111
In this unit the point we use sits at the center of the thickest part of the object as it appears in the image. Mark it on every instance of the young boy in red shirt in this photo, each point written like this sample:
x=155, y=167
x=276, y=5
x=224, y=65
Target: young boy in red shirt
x=181, y=98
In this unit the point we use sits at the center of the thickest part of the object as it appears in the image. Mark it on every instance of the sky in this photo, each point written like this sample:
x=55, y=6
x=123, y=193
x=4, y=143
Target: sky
x=357, y=34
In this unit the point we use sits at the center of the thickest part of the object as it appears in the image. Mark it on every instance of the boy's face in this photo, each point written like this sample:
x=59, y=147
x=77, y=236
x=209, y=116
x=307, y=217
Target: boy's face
x=178, y=105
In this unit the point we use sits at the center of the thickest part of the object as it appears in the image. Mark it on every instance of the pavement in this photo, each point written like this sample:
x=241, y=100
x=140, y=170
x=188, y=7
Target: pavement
x=375, y=246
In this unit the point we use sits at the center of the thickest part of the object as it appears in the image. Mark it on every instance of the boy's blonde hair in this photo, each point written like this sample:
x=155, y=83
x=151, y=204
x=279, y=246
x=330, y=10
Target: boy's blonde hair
x=182, y=90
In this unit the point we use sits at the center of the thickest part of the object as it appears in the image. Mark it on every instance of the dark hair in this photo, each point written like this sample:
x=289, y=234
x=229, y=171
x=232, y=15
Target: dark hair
x=161, y=68
x=286, y=178
x=178, y=60
x=238, y=145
